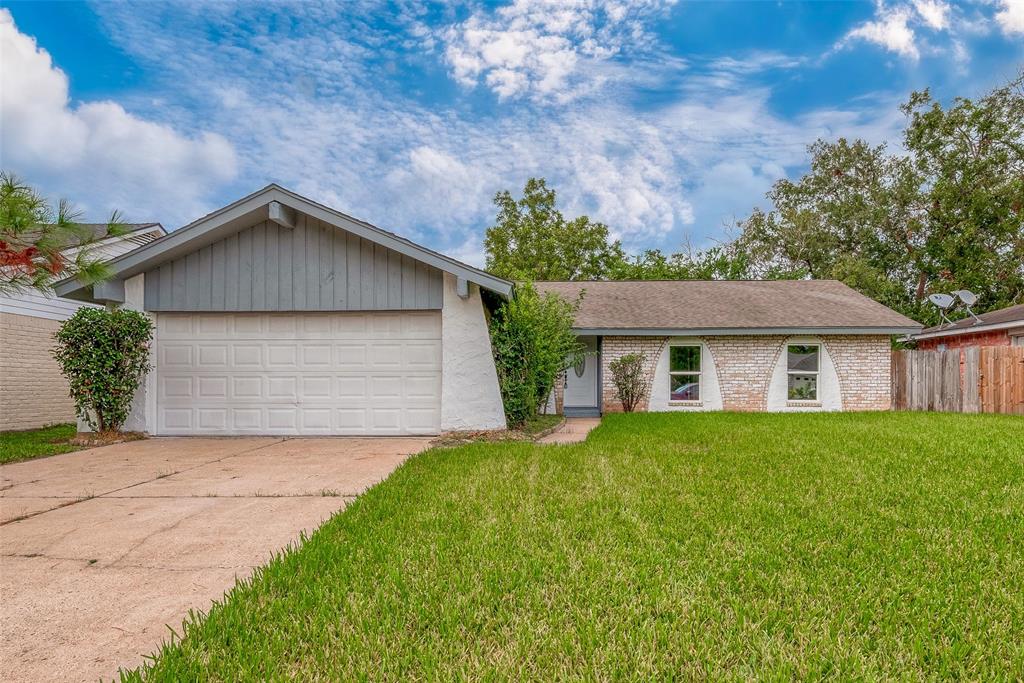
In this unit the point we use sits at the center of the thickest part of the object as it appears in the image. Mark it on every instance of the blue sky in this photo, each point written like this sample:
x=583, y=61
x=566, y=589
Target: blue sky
x=666, y=120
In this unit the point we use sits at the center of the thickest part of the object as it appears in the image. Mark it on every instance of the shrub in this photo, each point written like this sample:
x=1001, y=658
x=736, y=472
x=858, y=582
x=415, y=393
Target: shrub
x=533, y=342
x=629, y=379
x=104, y=354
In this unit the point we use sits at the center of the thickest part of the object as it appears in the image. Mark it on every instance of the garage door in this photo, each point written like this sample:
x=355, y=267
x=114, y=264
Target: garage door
x=298, y=374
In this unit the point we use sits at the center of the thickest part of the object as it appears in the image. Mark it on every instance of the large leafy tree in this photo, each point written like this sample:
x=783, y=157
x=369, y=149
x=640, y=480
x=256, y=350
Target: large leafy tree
x=532, y=240
x=946, y=213
x=40, y=243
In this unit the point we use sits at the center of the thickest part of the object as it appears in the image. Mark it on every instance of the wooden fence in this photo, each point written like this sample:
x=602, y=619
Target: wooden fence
x=977, y=379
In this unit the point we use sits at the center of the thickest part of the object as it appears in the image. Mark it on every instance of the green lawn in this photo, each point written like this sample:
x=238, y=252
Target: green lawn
x=32, y=443
x=886, y=545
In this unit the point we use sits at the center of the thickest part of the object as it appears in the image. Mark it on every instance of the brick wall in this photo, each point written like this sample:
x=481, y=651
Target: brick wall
x=616, y=347
x=959, y=341
x=864, y=366
x=745, y=364
x=33, y=393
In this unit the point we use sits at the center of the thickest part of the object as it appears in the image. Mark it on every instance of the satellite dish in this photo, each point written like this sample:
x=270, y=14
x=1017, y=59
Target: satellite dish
x=942, y=302
x=969, y=298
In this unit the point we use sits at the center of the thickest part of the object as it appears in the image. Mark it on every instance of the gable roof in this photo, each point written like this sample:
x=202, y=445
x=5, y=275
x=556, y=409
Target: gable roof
x=1003, y=318
x=677, y=307
x=261, y=206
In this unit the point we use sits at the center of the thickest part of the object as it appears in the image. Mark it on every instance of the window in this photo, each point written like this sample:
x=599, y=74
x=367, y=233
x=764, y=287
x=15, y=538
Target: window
x=684, y=373
x=802, y=365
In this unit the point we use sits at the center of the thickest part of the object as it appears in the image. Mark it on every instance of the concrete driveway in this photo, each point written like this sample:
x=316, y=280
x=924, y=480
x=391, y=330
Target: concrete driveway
x=101, y=549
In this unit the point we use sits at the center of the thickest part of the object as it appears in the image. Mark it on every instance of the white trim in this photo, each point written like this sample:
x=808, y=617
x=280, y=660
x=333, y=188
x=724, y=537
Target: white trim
x=686, y=373
x=710, y=391
x=829, y=391
x=816, y=372
x=974, y=329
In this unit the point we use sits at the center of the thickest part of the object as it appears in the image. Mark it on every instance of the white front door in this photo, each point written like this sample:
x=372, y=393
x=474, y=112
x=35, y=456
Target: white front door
x=298, y=373
x=581, y=379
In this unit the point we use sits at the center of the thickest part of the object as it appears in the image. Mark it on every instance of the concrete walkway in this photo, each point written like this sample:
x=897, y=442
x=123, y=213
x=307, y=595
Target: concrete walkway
x=101, y=549
x=574, y=430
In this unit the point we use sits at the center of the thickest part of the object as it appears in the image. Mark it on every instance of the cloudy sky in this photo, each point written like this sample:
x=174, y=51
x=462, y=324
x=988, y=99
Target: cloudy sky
x=663, y=119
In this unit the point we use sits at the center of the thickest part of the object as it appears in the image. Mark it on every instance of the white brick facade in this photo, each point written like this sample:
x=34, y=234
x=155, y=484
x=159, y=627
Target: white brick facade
x=744, y=366
x=33, y=393
x=864, y=366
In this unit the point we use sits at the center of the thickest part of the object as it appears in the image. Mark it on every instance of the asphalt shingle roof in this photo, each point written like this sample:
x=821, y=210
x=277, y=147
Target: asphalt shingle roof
x=1009, y=314
x=722, y=304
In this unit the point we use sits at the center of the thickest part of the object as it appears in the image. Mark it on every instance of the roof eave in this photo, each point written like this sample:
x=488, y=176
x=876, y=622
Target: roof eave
x=721, y=331
x=973, y=329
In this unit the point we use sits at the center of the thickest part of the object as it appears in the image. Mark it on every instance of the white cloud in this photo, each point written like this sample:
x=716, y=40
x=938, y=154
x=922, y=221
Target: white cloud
x=320, y=115
x=545, y=49
x=1011, y=17
x=891, y=30
x=935, y=13
x=97, y=153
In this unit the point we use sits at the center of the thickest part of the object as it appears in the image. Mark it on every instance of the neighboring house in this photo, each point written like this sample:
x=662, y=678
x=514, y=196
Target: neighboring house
x=33, y=393
x=787, y=345
x=277, y=315
x=1003, y=327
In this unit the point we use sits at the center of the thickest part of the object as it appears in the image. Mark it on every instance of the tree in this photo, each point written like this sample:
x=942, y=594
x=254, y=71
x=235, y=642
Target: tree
x=533, y=343
x=532, y=240
x=39, y=244
x=948, y=214
x=104, y=354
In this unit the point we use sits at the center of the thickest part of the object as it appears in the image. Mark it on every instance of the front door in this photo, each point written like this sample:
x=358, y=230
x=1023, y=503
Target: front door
x=581, y=381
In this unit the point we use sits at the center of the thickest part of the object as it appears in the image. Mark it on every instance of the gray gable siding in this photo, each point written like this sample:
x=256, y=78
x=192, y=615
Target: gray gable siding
x=313, y=267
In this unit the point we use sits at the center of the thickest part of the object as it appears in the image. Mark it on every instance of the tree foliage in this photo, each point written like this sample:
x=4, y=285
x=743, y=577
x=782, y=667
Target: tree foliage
x=629, y=379
x=947, y=214
x=533, y=343
x=104, y=355
x=532, y=240
x=39, y=243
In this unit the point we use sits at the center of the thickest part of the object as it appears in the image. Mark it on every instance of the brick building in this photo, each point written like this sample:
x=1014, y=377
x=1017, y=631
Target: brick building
x=1002, y=327
x=793, y=345
x=33, y=393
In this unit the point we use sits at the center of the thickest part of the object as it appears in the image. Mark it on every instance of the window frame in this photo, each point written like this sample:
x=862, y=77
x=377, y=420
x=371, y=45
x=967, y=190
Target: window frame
x=817, y=374
x=699, y=373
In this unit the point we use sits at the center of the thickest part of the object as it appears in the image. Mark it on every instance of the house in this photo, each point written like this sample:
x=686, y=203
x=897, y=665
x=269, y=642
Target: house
x=33, y=393
x=278, y=315
x=1003, y=327
x=788, y=345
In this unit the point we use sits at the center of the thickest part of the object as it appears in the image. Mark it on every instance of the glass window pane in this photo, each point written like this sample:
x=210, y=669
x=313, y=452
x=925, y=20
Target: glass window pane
x=684, y=358
x=803, y=388
x=685, y=388
x=803, y=358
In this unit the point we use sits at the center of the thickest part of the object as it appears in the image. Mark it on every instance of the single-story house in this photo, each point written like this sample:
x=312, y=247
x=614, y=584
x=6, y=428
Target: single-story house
x=1002, y=327
x=787, y=345
x=278, y=315
x=33, y=393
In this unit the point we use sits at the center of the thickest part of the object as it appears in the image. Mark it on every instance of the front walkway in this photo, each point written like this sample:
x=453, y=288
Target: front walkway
x=101, y=549
x=574, y=430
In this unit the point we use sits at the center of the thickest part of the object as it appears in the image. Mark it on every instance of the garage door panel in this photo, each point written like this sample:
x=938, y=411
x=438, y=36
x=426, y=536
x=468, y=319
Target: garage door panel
x=293, y=374
x=247, y=356
x=246, y=419
x=212, y=387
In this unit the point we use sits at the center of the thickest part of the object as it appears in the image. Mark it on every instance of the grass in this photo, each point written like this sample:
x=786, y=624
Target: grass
x=32, y=443
x=667, y=546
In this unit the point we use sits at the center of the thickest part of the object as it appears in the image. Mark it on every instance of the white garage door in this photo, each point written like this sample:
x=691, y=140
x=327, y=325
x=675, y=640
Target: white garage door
x=298, y=373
